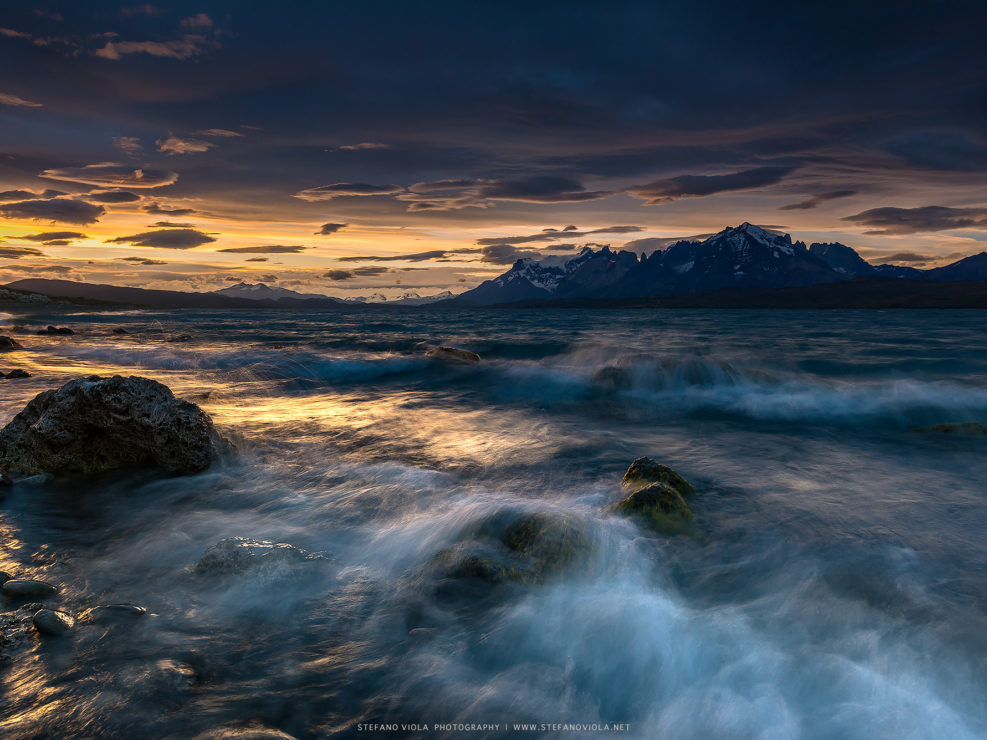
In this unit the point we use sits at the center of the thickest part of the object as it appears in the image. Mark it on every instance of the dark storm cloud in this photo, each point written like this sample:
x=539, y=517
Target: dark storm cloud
x=339, y=275
x=327, y=229
x=29, y=195
x=48, y=236
x=14, y=253
x=269, y=249
x=113, y=175
x=455, y=194
x=159, y=210
x=171, y=225
x=143, y=261
x=814, y=200
x=698, y=186
x=257, y=259
x=112, y=196
x=341, y=189
x=941, y=150
x=165, y=239
x=64, y=210
x=416, y=257
x=914, y=220
x=609, y=95
x=569, y=232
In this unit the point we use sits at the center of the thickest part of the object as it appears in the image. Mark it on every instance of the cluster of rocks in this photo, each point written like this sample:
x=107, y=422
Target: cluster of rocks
x=55, y=330
x=53, y=622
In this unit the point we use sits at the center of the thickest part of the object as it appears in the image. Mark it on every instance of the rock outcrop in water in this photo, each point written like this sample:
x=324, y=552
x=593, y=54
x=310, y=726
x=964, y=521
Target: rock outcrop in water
x=53, y=623
x=658, y=495
x=95, y=424
x=55, y=331
x=453, y=355
x=7, y=344
x=517, y=546
x=964, y=428
x=17, y=373
x=237, y=555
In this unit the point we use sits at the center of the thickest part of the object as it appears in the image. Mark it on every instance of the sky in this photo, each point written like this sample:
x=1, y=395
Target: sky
x=382, y=147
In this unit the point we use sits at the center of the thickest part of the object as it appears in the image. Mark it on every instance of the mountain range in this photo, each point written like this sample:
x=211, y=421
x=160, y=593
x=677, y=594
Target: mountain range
x=745, y=266
x=744, y=257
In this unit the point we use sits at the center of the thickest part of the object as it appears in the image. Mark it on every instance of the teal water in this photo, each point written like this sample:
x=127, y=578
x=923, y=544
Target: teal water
x=834, y=584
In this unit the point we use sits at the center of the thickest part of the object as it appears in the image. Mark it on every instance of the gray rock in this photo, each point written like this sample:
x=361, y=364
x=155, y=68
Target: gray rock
x=27, y=589
x=50, y=622
x=7, y=344
x=94, y=424
x=453, y=355
x=645, y=471
x=240, y=555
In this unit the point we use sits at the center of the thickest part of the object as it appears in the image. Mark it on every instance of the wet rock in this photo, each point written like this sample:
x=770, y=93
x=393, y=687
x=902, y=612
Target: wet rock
x=645, y=471
x=660, y=505
x=236, y=555
x=613, y=378
x=56, y=330
x=18, y=373
x=120, y=330
x=964, y=428
x=50, y=622
x=26, y=589
x=7, y=344
x=511, y=545
x=94, y=424
x=180, y=338
x=111, y=613
x=453, y=355
x=170, y=676
x=4, y=577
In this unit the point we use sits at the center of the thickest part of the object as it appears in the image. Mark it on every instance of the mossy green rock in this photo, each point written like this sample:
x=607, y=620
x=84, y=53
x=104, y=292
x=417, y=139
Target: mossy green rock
x=517, y=546
x=660, y=505
x=645, y=471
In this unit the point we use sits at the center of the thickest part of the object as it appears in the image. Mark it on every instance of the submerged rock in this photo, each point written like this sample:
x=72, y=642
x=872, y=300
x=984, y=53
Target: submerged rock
x=94, y=424
x=112, y=613
x=240, y=555
x=18, y=373
x=120, y=330
x=50, y=622
x=644, y=471
x=51, y=330
x=27, y=589
x=454, y=355
x=966, y=428
x=7, y=344
x=526, y=547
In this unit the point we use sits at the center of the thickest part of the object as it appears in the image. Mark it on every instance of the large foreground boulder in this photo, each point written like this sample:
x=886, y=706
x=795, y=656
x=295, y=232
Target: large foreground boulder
x=95, y=424
x=657, y=495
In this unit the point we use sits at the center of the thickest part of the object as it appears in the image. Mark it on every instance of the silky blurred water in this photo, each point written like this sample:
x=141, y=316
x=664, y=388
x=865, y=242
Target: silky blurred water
x=834, y=584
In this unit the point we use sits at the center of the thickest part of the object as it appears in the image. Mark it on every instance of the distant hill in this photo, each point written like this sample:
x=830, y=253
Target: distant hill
x=157, y=298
